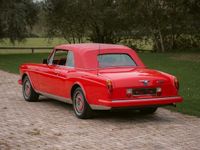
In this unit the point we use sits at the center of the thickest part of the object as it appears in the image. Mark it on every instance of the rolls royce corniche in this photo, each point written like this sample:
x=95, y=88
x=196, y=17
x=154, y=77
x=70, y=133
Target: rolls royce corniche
x=96, y=76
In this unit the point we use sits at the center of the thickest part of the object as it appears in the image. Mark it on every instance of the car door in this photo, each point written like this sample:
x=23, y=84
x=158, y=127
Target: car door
x=64, y=78
x=49, y=78
x=55, y=80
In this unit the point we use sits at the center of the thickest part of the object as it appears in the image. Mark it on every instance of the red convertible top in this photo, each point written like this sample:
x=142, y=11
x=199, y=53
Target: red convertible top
x=86, y=54
x=84, y=47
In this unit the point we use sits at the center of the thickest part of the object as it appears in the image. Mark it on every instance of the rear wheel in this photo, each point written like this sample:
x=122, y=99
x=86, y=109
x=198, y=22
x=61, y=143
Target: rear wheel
x=149, y=110
x=81, y=108
x=28, y=92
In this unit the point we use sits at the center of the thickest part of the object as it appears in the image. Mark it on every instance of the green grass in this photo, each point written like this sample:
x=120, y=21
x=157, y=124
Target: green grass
x=35, y=42
x=31, y=42
x=11, y=62
x=186, y=66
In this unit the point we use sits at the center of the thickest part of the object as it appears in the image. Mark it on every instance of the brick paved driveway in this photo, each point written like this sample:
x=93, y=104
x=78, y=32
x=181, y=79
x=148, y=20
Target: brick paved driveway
x=51, y=125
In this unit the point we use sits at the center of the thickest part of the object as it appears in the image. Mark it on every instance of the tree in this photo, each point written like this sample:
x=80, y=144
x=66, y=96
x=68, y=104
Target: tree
x=65, y=18
x=98, y=20
x=17, y=18
x=106, y=24
x=170, y=24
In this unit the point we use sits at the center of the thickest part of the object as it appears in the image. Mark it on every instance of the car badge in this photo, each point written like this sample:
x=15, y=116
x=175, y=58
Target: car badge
x=145, y=82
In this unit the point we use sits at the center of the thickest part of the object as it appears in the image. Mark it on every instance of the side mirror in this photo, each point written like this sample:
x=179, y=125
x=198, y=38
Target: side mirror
x=45, y=61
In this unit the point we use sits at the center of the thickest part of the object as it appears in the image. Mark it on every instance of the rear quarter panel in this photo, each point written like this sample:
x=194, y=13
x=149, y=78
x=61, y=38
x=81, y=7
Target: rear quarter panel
x=94, y=86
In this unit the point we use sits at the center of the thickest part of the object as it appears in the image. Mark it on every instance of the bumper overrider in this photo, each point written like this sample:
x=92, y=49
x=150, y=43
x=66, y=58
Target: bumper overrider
x=109, y=104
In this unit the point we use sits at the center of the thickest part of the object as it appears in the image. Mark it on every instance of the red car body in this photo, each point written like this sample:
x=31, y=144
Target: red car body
x=103, y=88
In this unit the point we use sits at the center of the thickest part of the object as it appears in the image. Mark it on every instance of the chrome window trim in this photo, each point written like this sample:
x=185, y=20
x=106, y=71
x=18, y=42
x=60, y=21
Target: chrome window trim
x=50, y=60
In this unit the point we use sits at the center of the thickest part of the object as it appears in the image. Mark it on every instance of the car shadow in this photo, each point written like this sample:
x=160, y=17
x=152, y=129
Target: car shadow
x=131, y=115
x=122, y=115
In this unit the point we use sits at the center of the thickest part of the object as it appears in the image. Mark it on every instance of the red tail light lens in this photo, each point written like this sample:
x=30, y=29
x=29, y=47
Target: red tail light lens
x=176, y=83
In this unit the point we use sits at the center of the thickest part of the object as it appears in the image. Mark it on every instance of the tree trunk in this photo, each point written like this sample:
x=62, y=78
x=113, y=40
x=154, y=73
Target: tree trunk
x=156, y=42
x=161, y=42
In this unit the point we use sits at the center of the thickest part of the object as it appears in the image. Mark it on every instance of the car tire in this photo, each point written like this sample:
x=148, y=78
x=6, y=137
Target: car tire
x=149, y=110
x=28, y=92
x=81, y=108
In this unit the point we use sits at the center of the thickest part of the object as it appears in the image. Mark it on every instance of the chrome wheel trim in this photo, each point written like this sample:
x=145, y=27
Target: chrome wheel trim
x=27, y=89
x=79, y=103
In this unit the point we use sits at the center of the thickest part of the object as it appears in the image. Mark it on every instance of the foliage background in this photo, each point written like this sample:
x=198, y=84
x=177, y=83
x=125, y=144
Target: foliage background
x=167, y=25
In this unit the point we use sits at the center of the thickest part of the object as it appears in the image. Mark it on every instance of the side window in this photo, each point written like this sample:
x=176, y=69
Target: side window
x=70, y=59
x=59, y=58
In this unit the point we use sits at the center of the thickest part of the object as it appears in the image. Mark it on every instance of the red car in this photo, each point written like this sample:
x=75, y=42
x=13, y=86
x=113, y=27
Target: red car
x=98, y=77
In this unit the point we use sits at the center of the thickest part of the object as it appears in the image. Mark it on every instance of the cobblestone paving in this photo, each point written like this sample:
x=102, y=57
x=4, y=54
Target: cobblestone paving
x=51, y=125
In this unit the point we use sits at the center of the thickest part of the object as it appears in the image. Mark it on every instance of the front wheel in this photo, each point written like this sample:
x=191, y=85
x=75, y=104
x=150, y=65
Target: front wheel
x=28, y=92
x=81, y=108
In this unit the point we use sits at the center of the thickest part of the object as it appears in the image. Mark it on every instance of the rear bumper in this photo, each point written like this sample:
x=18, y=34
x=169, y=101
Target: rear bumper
x=109, y=104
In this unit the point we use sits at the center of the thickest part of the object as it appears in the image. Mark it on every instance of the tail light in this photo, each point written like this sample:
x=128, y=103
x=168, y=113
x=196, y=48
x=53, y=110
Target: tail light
x=129, y=92
x=158, y=91
x=109, y=85
x=176, y=83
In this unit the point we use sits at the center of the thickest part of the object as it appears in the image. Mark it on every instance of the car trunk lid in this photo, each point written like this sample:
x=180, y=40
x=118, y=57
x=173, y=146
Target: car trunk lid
x=143, y=82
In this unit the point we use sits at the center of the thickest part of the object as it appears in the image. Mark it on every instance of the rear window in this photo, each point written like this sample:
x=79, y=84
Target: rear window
x=115, y=60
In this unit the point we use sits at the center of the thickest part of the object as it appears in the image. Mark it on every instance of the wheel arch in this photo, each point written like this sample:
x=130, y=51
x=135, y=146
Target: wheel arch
x=74, y=87
x=24, y=75
x=27, y=74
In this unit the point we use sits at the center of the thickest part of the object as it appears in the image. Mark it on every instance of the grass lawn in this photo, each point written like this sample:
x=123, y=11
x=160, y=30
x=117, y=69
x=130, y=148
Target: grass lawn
x=31, y=42
x=11, y=62
x=186, y=66
x=34, y=42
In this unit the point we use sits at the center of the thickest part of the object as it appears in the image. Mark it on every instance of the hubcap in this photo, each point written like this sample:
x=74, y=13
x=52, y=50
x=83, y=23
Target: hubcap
x=79, y=103
x=27, y=89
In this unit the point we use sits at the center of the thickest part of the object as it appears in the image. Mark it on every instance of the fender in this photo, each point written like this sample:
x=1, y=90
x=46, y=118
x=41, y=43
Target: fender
x=78, y=83
x=26, y=73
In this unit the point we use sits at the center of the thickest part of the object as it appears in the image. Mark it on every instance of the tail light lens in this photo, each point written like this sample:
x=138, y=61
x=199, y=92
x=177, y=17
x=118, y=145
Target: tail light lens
x=176, y=83
x=129, y=92
x=158, y=91
x=109, y=85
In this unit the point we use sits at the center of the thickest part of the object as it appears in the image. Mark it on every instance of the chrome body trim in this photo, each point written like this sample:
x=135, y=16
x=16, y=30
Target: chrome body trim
x=62, y=99
x=99, y=107
x=69, y=101
x=141, y=99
